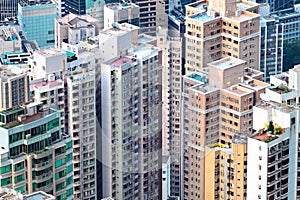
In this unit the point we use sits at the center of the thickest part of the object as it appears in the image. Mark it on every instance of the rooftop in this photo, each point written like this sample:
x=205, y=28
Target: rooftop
x=196, y=76
x=244, y=5
x=68, y=19
x=226, y=63
x=201, y=17
x=144, y=51
x=121, y=6
x=244, y=16
x=282, y=89
x=25, y=119
x=121, y=61
x=7, y=72
x=9, y=194
x=35, y=2
x=239, y=90
x=9, y=34
x=143, y=39
x=220, y=147
x=254, y=84
x=40, y=195
x=48, y=84
x=277, y=106
x=199, y=5
x=204, y=88
x=252, y=72
x=49, y=52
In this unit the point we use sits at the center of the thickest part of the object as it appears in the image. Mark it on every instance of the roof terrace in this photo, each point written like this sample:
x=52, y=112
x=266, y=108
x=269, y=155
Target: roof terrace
x=9, y=34
x=121, y=61
x=243, y=16
x=254, y=84
x=239, y=90
x=281, y=89
x=201, y=17
x=197, y=77
x=269, y=133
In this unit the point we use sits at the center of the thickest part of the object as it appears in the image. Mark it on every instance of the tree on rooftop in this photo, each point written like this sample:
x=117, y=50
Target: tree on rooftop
x=271, y=126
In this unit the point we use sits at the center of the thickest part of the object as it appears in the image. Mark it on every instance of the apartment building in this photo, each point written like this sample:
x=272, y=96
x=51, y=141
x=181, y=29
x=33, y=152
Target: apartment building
x=200, y=117
x=80, y=112
x=121, y=13
x=35, y=155
x=14, y=87
x=226, y=170
x=131, y=117
x=65, y=78
x=173, y=58
x=217, y=29
x=273, y=152
x=72, y=29
x=151, y=13
x=216, y=106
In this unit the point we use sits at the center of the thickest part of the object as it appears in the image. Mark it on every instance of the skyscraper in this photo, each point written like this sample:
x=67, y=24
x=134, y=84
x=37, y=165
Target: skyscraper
x=8, y=8
x=131, y=115
x=217, y=29
x=37, y=21
x=216, y=106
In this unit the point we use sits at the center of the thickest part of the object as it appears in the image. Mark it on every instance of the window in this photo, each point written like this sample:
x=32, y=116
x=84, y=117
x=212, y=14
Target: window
x=69, y=145
x=19, y=178
x=5, y=169
x=6, y=181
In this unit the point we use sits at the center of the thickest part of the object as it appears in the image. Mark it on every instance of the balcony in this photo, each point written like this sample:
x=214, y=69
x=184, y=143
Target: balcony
x=43, y=165
x=43, y=177
x=42, y=154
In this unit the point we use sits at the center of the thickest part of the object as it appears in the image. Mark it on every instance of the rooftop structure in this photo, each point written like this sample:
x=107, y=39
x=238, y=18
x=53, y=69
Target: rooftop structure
x=9, y=194
x=120, y=13
x=72, y=29
x=10, y=40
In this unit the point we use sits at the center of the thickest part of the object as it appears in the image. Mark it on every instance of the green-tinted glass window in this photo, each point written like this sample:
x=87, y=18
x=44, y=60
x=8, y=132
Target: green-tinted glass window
x=53, y=123
x=19, y=166
x=19, y=178
x=69, y=192
x=60, y=151
x=69, y=169
x=70, y=180
x=60, y=162
x=61, y=197
x=69, y=145
x=69, y=157
x=5, y=169
x=21, y=189
x=61, y=186
x=6, y=181
x=60, y=174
